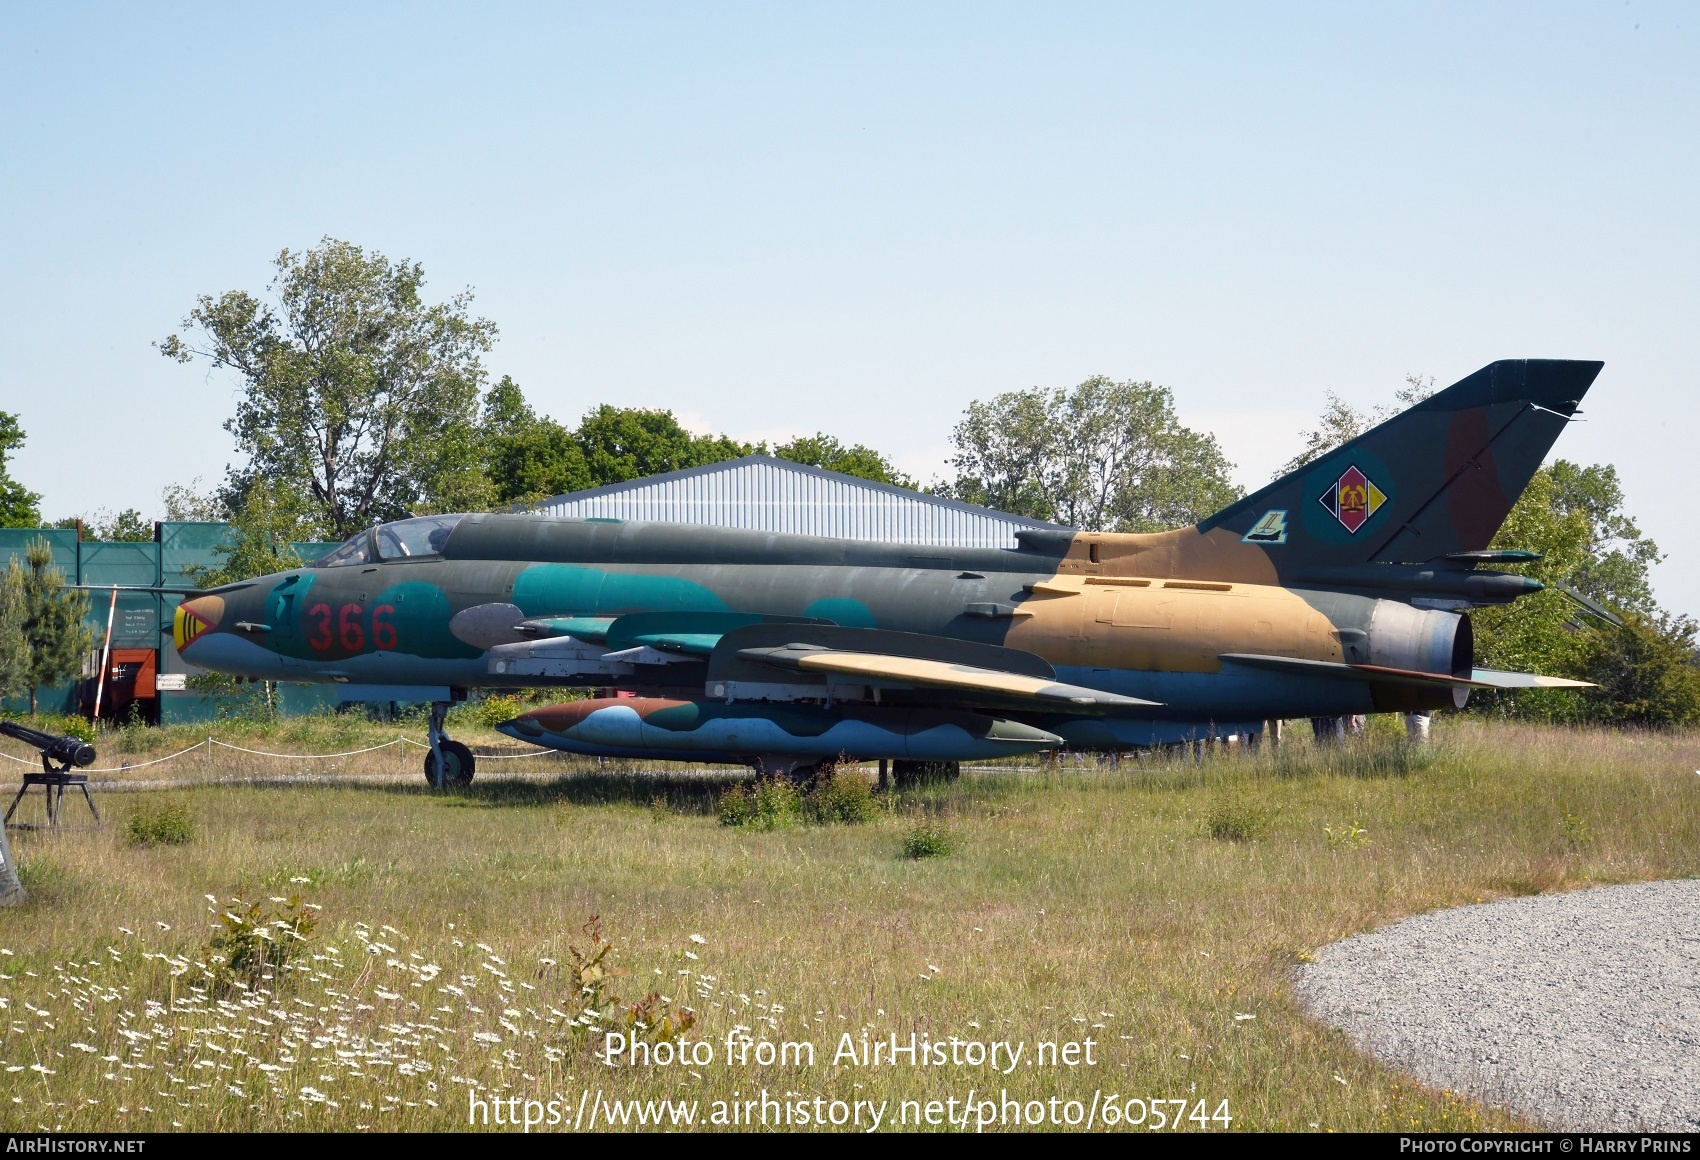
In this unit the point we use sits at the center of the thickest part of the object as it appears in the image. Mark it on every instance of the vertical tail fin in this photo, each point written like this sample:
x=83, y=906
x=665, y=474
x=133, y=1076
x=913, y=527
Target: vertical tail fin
x=1435, y=479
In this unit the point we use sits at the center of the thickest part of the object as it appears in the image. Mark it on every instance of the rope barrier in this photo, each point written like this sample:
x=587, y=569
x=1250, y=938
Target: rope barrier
x=116, y=768
x=211, y=741
x=299, y=756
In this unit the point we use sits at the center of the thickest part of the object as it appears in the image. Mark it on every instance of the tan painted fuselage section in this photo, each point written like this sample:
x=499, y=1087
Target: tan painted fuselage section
x=1181, y=554
x=1165, y=624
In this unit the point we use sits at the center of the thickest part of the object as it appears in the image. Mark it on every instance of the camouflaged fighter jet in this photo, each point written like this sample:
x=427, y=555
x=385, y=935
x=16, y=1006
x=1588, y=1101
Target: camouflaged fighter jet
x=1342, y=588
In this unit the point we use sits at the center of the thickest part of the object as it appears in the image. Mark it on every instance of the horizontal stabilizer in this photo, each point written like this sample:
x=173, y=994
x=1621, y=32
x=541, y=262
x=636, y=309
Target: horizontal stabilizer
x=1478, y=678
x=936, y=673
x=1498, y=680
x=1298, y=666
x=157, y=589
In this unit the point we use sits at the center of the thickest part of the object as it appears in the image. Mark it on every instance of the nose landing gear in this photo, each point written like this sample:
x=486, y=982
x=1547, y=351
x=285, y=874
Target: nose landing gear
x=449, y=762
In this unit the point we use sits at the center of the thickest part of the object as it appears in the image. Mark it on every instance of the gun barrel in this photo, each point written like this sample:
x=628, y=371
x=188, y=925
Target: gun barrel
x=71, y=750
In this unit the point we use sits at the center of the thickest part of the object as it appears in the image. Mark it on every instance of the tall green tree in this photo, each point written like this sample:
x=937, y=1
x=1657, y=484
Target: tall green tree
x=1616, y=557
x=190, y=503
x=825, y=451
x=127, y=526
x=1574, y=516
x=354, y=391
x=14, y=645
x=53, y=620
x=19, y=506
x=622, y=443
x=527, y=457
x=271, y=518
x=1104, y=456
x=1645, y=671
x=1340, y=422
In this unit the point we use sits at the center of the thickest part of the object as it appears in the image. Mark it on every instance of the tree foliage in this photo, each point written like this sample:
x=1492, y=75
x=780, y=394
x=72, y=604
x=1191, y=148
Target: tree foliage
x=825, y=451
x=53, y=619
x=19, y=506
x=621, y=443
x=1645, y=671
x=1616, y=557
x=14, y=646
x=1341, y=422
x=1538, y=633
x=527, y=457
x=355, y=392
x=191, y=503
x=1574, y=516
x=127, y=526
x=1104, y=456
x=271, y=518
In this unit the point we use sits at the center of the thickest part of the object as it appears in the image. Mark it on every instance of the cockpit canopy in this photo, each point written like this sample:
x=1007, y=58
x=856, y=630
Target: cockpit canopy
x=400, y=539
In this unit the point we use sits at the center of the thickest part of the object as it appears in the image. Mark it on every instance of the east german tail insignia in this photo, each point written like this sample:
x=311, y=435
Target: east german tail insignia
x=1353, y=499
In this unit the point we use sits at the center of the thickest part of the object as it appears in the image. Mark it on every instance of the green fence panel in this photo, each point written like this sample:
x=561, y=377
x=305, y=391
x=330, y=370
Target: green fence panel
x=310, y=550
x=14, y=541
x=298, y=700
x=182, y=708
x=48, y=699
x=136, y=618
x=185, y=547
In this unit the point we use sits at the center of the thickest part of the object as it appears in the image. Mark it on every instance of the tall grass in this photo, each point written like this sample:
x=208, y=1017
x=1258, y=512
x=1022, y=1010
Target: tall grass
x=1079, y=901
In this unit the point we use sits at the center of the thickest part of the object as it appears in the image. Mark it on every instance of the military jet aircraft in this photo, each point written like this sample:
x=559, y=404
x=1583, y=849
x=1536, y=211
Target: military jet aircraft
x=1342, y=588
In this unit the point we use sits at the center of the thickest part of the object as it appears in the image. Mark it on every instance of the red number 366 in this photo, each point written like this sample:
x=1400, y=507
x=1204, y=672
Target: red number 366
x=350, y=632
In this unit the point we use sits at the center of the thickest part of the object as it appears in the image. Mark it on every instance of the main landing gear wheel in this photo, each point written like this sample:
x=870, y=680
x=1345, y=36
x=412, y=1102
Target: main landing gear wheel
x=458, y=765
x=456, y=758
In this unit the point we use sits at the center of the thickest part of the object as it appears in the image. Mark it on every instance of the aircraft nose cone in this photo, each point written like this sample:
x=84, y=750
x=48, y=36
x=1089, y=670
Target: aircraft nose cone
x=194, y=618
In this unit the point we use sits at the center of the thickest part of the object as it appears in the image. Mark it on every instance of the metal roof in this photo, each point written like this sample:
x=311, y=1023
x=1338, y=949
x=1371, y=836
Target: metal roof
x=775, y=495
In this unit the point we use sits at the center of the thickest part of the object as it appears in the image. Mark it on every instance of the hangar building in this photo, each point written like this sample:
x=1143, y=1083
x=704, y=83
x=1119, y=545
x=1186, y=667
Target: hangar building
x=775, y=495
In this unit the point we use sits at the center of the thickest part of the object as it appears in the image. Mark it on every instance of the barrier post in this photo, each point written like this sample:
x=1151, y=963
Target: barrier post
x=11, y=890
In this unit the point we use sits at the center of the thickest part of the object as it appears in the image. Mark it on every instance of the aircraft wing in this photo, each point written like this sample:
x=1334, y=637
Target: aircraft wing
x=935, y=673
x=949, y=671
x=1478, y=678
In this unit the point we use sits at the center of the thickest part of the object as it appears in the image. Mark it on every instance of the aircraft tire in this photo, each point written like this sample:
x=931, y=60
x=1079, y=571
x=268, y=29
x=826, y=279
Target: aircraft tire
x=459, y=763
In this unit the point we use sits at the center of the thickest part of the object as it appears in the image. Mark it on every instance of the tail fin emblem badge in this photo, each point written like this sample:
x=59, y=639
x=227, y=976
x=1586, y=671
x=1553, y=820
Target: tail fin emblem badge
x=1353, y=499
x=1271, y=529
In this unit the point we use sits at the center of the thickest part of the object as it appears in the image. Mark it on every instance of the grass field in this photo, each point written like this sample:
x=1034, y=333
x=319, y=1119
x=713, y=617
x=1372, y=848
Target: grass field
x=1159, y=909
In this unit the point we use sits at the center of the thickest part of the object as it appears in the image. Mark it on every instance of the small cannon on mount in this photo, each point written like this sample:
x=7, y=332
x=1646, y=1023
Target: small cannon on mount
x=58, y=756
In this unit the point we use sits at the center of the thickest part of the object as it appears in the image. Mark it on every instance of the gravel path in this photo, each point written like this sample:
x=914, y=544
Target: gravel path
x=1579, y=1010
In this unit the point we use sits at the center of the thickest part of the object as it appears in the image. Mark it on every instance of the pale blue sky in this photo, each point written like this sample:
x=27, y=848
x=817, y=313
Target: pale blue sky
x=776, y=219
